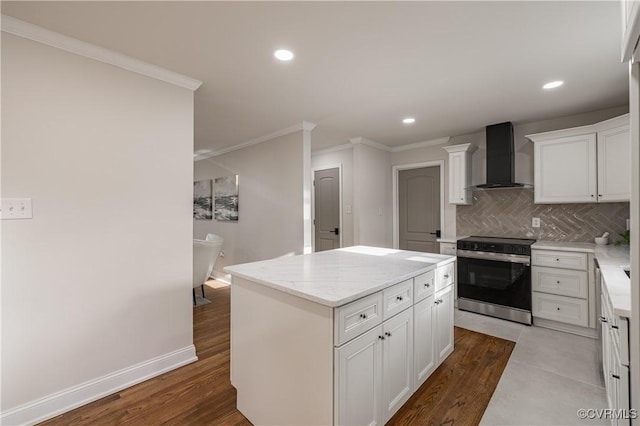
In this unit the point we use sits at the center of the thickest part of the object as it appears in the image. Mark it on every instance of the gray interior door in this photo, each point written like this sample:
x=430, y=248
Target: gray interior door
x=419, y=209
x=327, y=209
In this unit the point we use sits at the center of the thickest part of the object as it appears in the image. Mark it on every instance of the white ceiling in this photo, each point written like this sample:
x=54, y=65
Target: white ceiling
x=360, y=67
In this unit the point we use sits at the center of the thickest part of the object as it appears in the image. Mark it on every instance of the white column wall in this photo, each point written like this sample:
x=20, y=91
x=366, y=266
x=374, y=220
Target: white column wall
x=100, y=279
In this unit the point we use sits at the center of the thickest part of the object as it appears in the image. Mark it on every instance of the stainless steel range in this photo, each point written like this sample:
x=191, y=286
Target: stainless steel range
x=494, y=277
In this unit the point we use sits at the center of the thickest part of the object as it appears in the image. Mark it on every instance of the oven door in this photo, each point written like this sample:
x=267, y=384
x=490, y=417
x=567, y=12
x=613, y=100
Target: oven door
x=496, y=278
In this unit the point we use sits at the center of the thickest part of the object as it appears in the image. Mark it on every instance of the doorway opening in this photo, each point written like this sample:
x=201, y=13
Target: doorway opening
x=327, y=208
x=418, y=206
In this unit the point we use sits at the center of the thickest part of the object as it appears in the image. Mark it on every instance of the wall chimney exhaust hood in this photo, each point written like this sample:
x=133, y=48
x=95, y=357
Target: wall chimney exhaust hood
x=500, y=157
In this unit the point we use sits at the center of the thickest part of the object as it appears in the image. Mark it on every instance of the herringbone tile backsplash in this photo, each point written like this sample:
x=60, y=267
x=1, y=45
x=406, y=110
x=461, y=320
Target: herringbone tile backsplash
x=508, y=213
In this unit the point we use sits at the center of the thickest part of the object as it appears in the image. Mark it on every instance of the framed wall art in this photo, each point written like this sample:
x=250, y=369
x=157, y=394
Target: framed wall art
x=226, y=198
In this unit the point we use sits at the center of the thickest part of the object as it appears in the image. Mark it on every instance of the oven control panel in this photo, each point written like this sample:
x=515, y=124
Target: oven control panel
x=494, y=247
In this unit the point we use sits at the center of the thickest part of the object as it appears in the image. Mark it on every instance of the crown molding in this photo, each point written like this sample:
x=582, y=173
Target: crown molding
x=433, y=142
x=305, y=125
x=368, y=142
x=332, y=149
x=463, y=147
x=38, y=34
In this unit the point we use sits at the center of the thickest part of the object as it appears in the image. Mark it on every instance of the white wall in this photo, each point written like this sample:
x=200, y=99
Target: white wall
x=372, y=198
x=324, y=160
x=100, y=279
x=270, y=201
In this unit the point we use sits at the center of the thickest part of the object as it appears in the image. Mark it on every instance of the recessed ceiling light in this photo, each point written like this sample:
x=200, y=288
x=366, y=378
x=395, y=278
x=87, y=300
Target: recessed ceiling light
x=283, y=55
x=553, y=84
x=409, y=120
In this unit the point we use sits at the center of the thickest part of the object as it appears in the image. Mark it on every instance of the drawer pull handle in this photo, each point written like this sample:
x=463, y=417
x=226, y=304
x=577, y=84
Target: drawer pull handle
x=363, y=316
x=399, y=298
x=381, y=337
x=387, y=334
x=558, y=308
x=427, y=285
x=557, y=260
x=558, y=282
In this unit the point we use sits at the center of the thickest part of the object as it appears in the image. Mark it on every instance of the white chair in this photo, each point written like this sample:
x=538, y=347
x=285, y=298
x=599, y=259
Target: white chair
x=205, y=254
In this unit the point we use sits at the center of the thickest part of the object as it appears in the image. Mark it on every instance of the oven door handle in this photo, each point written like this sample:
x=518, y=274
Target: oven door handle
x=500, y=257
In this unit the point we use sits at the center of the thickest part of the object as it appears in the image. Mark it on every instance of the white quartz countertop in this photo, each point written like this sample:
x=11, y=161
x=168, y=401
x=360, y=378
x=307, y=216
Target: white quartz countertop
x=612, y=260
x=336, y=277
x=564, y=246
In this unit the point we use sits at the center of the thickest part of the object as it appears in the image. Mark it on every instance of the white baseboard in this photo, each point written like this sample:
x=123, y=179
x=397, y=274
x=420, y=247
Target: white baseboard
x=567, y=328
x=222, y=277
x=76, y=396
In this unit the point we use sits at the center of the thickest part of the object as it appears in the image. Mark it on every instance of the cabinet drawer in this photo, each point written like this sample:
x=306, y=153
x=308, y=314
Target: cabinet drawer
x=565, y=282
x=357, y=317
x=423, y=285
x=560, y=308
x=444, y=275
x=397, y=298
x=559, y=259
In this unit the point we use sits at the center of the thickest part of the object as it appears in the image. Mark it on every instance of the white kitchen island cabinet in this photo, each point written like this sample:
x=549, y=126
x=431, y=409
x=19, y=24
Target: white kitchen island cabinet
x=338, y=337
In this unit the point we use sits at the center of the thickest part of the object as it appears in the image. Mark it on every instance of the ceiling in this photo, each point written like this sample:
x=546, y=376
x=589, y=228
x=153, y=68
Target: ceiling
x=360, y=67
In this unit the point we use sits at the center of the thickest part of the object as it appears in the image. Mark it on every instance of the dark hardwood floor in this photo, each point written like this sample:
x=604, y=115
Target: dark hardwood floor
x=201, y=394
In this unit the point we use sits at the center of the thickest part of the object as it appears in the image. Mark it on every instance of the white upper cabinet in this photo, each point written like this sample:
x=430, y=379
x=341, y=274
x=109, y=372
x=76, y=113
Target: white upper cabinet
x=585, y=164
x=460, y=173
x=614, y=163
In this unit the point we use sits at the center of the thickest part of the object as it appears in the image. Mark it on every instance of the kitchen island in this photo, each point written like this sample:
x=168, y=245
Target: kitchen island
x=338, y=337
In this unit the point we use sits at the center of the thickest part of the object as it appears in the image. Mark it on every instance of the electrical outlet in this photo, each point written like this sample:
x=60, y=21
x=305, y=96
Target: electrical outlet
x=535, y=222
x=16, y=208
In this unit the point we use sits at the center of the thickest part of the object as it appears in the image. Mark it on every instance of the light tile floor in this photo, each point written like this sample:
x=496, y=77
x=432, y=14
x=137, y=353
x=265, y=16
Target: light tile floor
x=549, y=376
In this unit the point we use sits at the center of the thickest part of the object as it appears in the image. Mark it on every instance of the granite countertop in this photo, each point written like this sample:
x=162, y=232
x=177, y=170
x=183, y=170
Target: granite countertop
x=336, y=277
x=611, y=259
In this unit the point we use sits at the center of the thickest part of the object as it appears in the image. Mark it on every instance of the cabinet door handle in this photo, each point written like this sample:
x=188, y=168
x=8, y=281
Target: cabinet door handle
x=439, y=300
x=436, y=302
x=615, y=376
x=381, y=337
x=558, y=308
x=603, y=319
x=614, y=326
x=446, y=276
x=386, y=333
x=557, y=282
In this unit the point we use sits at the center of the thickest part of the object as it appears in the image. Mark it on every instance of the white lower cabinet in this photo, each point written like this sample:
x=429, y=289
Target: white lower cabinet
x=444, y=323
x=397, y=362
x=377, y=372
x=424, y=354
x=615, y=359
x=358, y=396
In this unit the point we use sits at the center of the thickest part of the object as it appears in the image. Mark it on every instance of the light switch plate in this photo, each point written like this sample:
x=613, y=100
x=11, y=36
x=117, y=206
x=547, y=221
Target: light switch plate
x=535, y=222
x=15, y=208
